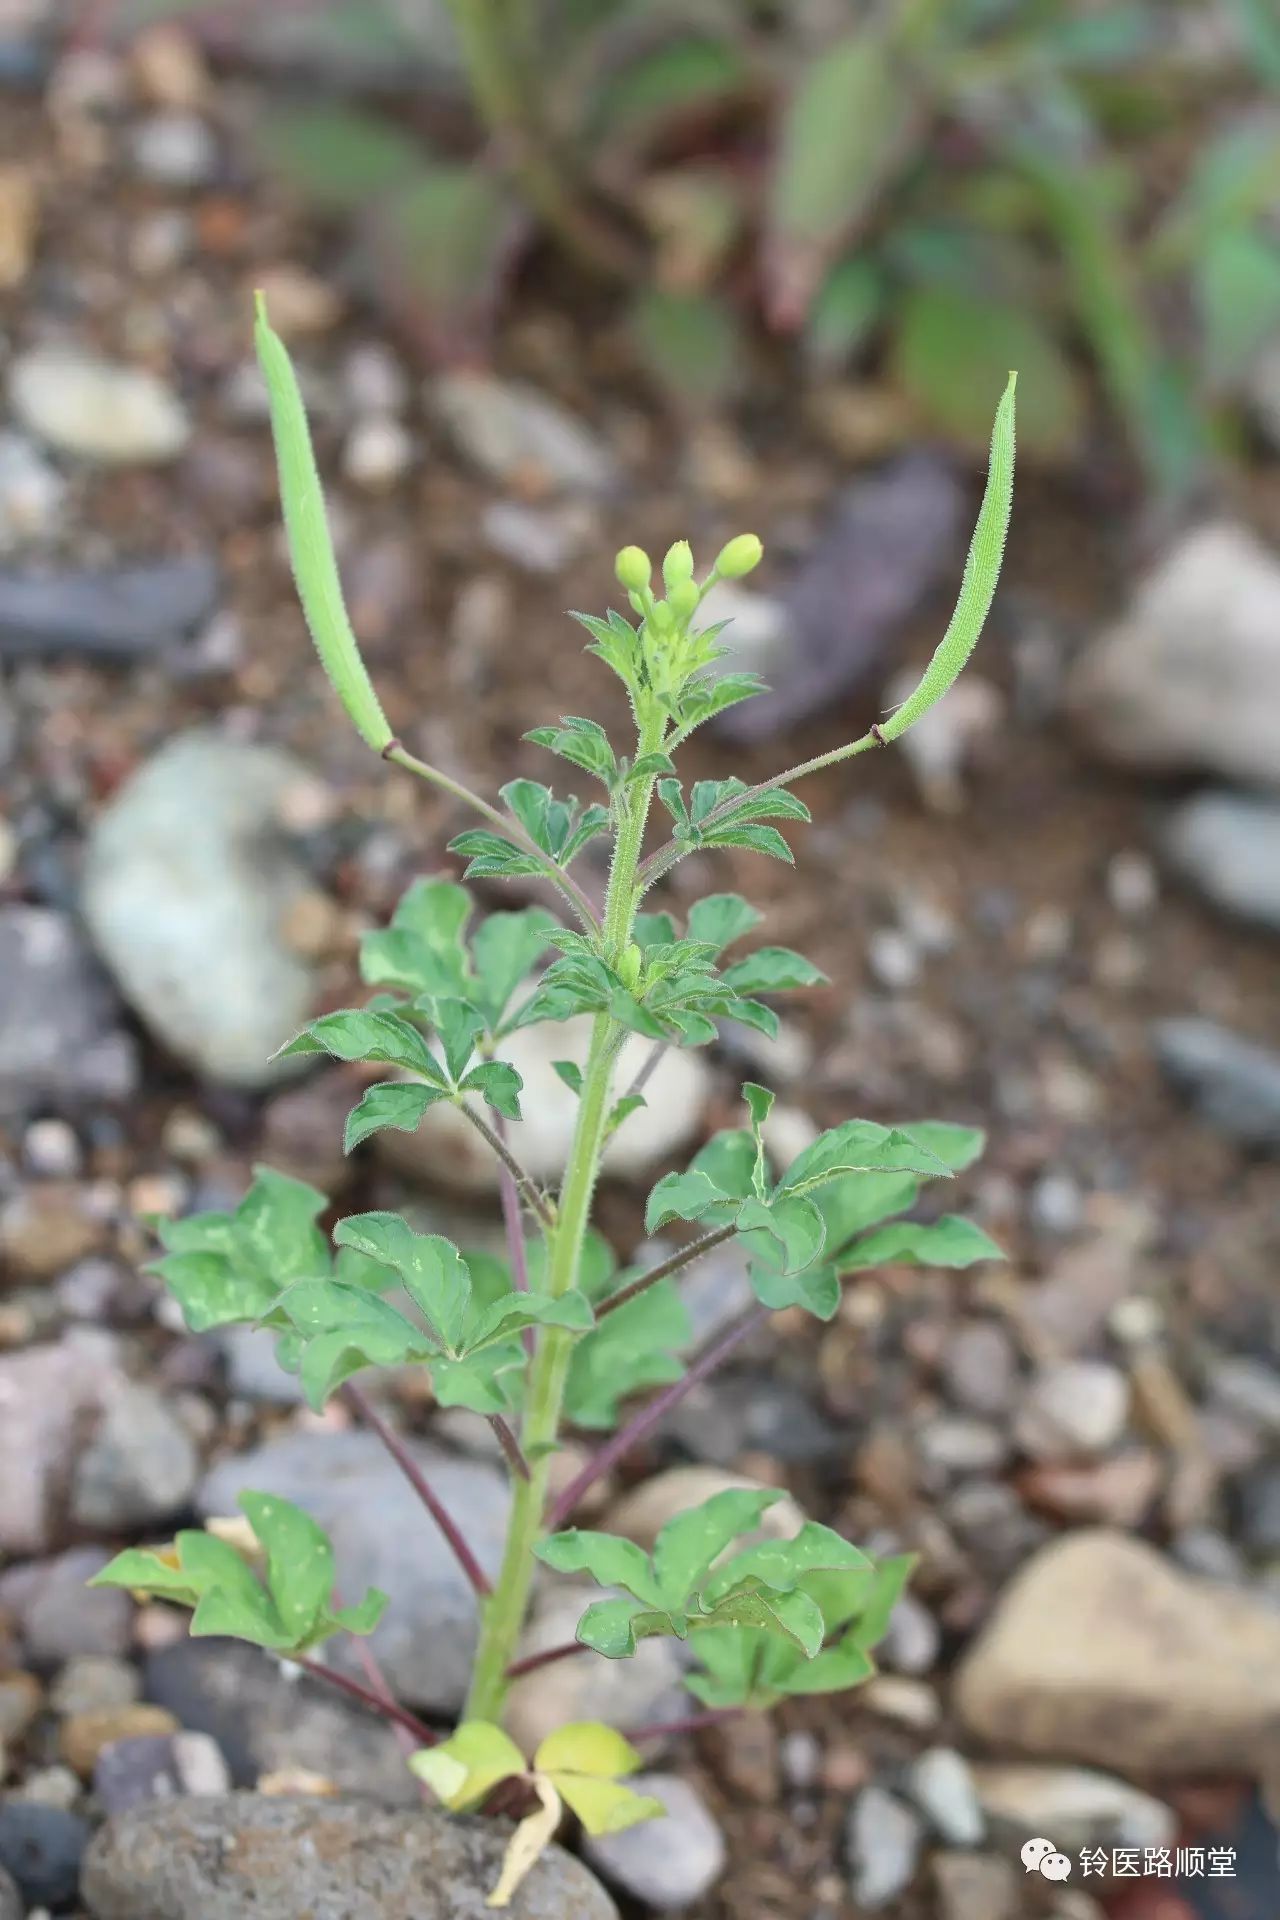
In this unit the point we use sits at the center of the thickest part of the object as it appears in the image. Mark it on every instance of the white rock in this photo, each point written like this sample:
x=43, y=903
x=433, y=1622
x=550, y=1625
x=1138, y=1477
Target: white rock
x=668, y=1863
x=511, y=431
x=622, y=1693
x=884, y=1838
x=1075, y=1806
x=32, y=494
x=187, y=882
x=940, y=746
x=379, y=451
x=758, y=626
x=1076, y=1407
x=175, y=148
x=942, y=1786
x=1227, y=845
x=97, y=409
x=641, y=1514
x=447, y=1150
x=1190, y=678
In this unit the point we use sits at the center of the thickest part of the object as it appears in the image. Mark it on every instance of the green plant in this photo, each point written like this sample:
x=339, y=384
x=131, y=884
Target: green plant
x=943, y=187
x=554, y=1335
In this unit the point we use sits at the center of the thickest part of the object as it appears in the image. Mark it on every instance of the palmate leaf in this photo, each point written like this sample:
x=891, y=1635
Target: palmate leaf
x=391, y=1103
x=423, y=950
x=949, y=1242
x=632, y=1349
x=290, y=1611
x=358, y=1034
x=224, y=1268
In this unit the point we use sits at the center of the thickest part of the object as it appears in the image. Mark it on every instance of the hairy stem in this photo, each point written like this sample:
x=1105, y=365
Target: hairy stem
x=651, y=1415
x=526, y=1185
x=503, y=1616
x=683, y=1257
x=665, y=857
x=369, y=1416
x=377, y=1702
x=559, y=876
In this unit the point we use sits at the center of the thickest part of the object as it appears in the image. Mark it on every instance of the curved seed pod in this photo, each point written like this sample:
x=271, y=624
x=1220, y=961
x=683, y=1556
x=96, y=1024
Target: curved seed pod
x=310, y=549
x=977, y=589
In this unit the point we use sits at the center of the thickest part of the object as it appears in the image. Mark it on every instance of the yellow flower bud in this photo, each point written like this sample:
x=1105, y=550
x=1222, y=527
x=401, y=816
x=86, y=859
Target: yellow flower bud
x=633, y=568
x=678, y=565
x=740, y=556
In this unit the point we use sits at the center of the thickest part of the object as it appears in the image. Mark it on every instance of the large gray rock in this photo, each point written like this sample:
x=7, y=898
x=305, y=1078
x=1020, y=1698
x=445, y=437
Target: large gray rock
x=384, y=1538
x=1079, y=1807
x=59, y=1041
x=12, y=1905
x=48, y=1395
x=1103, y=1652
x=97, y=410
x=1227, y=846
x=264, y=1721
x=512, y=431
x=1190, y=678
x=1233, y=1083
x=240, y=1856
x=187, y=882
x=141, y=1465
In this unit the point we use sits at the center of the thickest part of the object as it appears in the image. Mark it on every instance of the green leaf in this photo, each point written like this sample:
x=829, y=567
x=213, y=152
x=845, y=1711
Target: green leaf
x=687, y=1547
x=315, y=570
x=299, y=1561
x=443, y=243
x=846, y=310
x=781, y=1565
x=721, y=919
x=423, y=949
x=343, y=1328
x=782, y=1235
x=766, y=840
x=459, y=1027
x=514, y=1310
x=223, y=1268
x=490, y=857
x=610, y=1560
x=1237, y=281
x=506, y=947
x=354, y=1034
x=603, y=1806
x=339, y=158
x=949, y=1242
x=500, y=1085
x=391, y=1103
x=691, y=345
x=956, y=1147
x=772, y=970
x=570, y=1073
x=954, y=350
x=628, y=1351
x=1260, y=31
x=587, y=1747
x=608, y=1628
x=846, y=130
x=888, y=1587
x=815, y=1288
x=431, y=1270
x=662, y=83
x=681, y=1196
x=859, y=1146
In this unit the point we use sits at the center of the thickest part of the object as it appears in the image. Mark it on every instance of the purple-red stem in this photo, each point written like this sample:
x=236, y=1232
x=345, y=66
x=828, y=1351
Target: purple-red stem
x=608, y=1456
x=532, y=1661
x=691, y=1723
x=378, y=1702
x=378, y=1683
x=510, y=1446
x=682, y=1258
x=368, y=1414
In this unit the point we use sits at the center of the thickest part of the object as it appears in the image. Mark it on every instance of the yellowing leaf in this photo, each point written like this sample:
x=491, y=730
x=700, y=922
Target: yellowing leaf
x=527, y=1843
x=468, y=1765
x=603, y=1806
x=587, y=1746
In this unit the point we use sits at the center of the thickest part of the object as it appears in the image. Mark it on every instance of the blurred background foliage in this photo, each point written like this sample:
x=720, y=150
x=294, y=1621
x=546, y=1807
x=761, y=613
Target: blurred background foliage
x=940, y=189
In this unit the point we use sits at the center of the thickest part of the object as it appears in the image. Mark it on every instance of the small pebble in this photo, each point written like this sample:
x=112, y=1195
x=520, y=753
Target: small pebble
x=20, y=1702
x=1132, y=886
x=51, y=1150
x=913, y=1639
x=41, y=1847
x=943, y=1788
x=910, y=1703
x=980, y=1367
x=667, y=1863
x=1076, y=1407
x=893, y=958
x=83, y=1736
x=800, y=1756
x=379, y=451
x=884, y=1839
x=94, y=1683
x=175, y=148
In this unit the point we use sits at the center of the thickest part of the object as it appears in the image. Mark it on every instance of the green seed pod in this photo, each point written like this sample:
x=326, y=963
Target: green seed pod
x=677, y=567
x=977, y=589
x=634, y=568
x=310, y=549
x=741, y=556
x=683, y=599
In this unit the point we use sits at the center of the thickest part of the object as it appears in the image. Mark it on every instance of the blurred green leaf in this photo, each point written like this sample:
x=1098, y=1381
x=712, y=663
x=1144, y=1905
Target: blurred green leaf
x=338, y=158
x=443, y=242
x=666, y=83
x=1237, y=284
x=954, y=351
x=1260, y=30
x=846, y=310
x=846, y=128
x=690, y=343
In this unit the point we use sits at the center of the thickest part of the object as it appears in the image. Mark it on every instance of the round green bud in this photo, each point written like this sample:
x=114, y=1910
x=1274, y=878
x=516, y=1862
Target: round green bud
x=742, y=555
x=630, y=966
x=678, y=565
x=633, y=568
x=662, y=619
x=683, y=599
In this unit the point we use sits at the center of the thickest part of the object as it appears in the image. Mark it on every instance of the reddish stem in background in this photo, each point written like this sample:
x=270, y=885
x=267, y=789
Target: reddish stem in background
x=510, y=1445
x=376, y=1702
x=683, y=1257
x=369, y=1416
x=691, y=1723
x=608, y=1456
x=532, y=1661
x=378, y=1684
